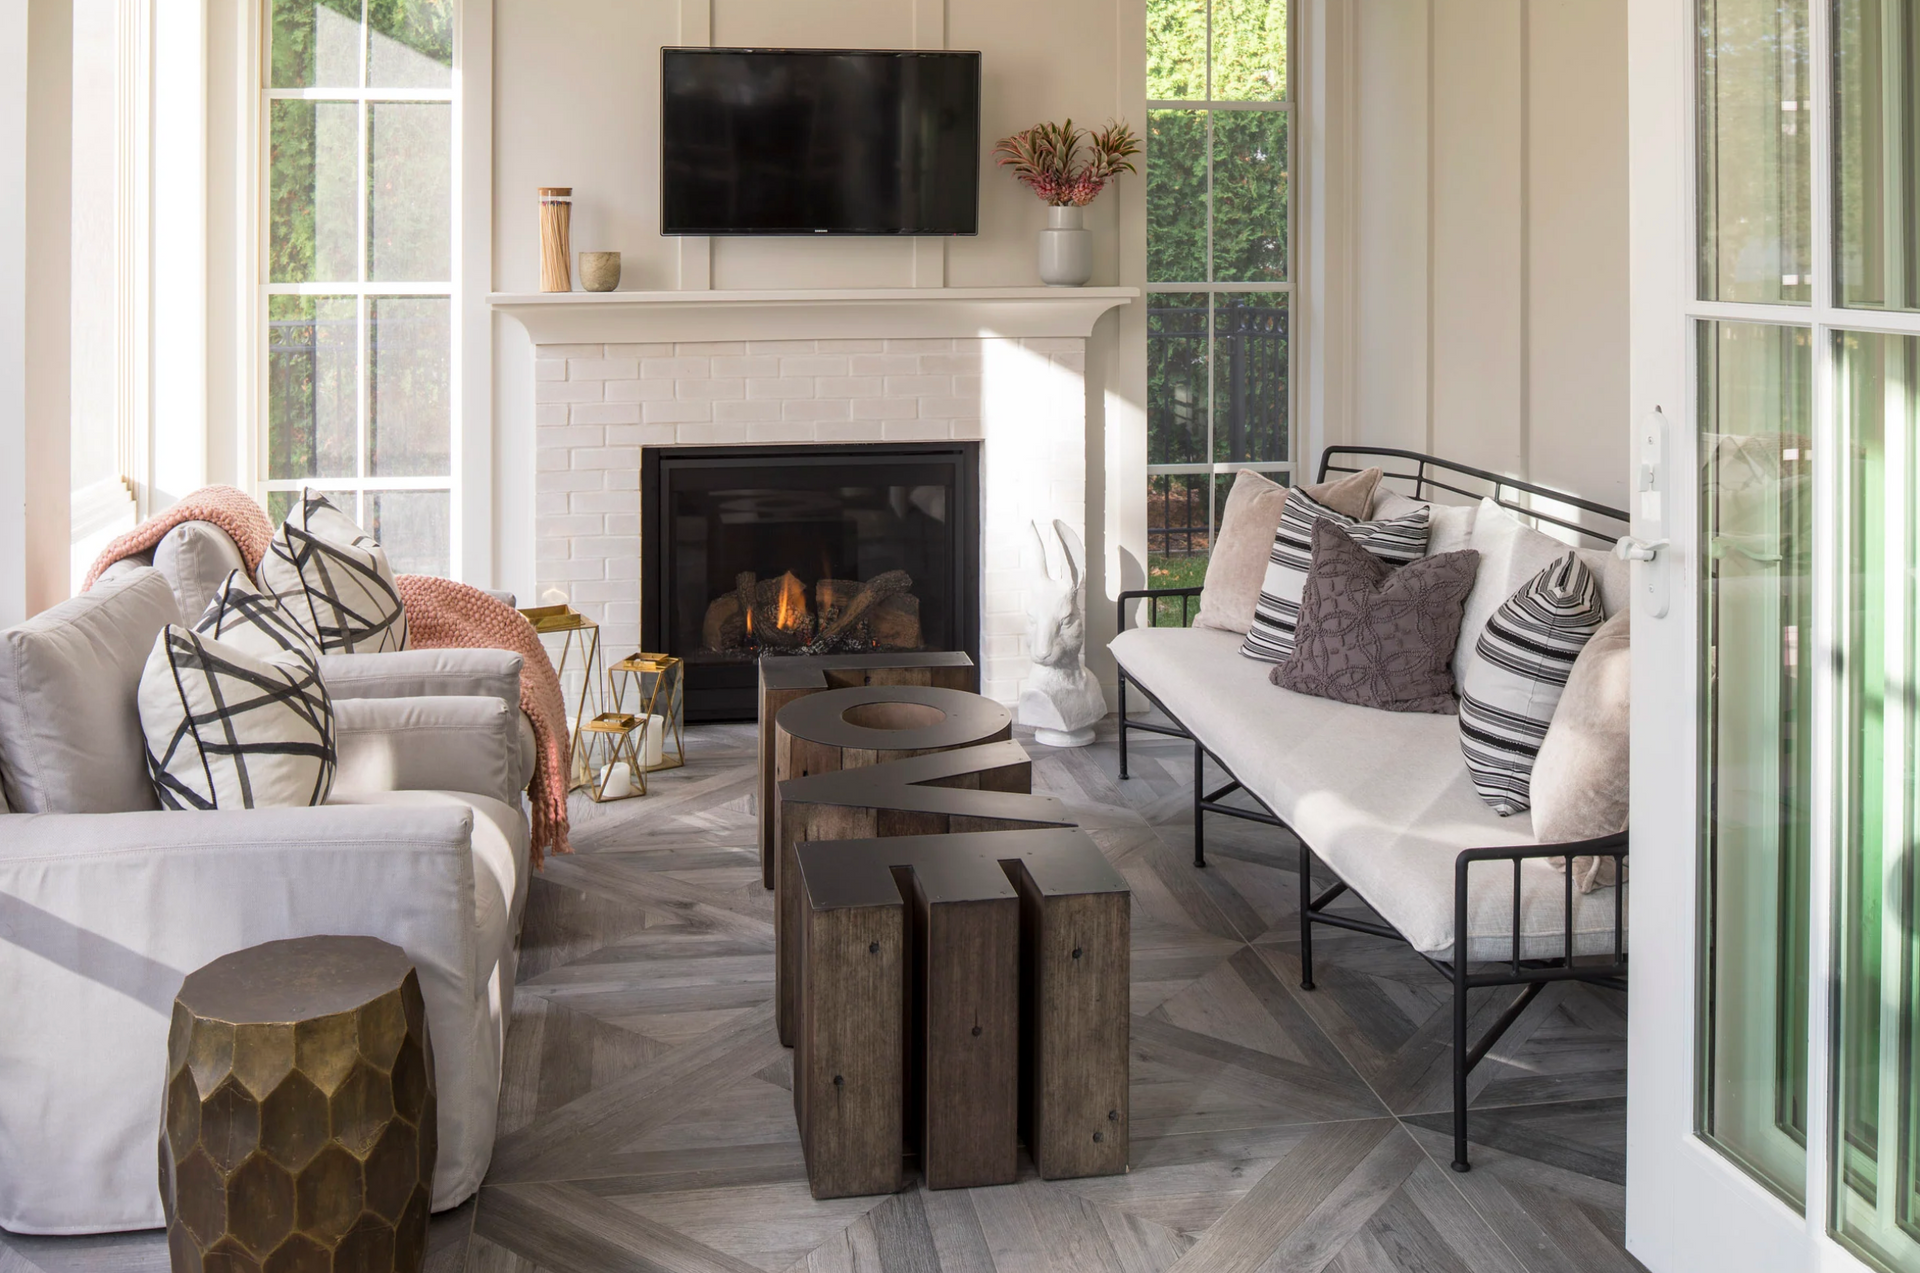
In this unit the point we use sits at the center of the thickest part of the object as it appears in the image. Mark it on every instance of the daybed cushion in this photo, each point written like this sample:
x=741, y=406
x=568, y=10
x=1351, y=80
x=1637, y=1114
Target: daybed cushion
x=1382, y=797
x=70, y=738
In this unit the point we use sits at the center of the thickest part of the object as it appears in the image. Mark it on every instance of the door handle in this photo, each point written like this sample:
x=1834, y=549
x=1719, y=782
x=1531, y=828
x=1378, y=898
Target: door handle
x=1630, y=549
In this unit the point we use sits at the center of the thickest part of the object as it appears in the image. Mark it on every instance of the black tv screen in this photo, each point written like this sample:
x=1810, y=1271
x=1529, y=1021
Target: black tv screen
x=819, y=141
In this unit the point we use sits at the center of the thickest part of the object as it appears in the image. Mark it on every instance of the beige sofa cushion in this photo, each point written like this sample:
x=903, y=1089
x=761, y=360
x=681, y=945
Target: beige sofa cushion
x=196, y=558
x=1238, y=561
x=70, y=738
x=1382, y=797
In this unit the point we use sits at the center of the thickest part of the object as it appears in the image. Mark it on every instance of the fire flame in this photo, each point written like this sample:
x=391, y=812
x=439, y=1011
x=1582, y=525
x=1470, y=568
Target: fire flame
x=793, y=602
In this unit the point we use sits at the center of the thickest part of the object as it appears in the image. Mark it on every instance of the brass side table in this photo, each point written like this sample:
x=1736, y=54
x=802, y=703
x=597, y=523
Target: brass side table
x=300, y=1127
x=607, y=740
x=579, y=657
x=658, y=684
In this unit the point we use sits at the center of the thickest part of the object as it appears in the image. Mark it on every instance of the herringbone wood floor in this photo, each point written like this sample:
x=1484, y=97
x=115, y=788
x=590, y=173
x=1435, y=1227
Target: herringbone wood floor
x=646, y=1122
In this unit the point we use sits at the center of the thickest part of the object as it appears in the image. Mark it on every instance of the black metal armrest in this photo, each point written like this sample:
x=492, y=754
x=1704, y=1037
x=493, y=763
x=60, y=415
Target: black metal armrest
x=1154, y=596
x=1613, y=846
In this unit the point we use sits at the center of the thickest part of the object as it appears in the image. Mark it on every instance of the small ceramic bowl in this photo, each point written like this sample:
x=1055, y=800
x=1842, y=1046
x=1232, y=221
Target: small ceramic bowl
x=599, y=271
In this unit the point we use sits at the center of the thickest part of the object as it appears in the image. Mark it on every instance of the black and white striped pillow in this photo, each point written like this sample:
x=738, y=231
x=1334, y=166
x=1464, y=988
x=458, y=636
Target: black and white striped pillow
x=234, y=711
x=1397, y=541
x=333, y=578
x=1512, y=684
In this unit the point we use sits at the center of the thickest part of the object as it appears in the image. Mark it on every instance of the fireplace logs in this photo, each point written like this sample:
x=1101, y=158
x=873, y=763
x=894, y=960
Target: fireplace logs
x=845, y=616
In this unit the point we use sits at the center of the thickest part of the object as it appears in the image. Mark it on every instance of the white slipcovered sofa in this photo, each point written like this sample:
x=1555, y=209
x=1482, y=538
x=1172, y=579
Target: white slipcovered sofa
x=107, y=901
x=1384, y=799
x=196, y=557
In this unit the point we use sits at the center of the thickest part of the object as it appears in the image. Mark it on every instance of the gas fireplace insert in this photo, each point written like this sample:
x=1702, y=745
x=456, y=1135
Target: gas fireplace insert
x=782, y=550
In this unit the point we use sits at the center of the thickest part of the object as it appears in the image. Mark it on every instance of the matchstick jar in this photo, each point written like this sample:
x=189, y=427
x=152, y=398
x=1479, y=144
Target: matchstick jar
x=556, y=217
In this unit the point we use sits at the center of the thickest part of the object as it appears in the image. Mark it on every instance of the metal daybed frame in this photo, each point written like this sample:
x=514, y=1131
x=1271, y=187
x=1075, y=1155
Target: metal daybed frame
x=1428, y=475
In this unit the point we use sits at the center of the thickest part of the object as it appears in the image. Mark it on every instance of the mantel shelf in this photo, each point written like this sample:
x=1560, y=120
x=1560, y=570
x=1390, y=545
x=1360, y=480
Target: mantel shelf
x=825, y=313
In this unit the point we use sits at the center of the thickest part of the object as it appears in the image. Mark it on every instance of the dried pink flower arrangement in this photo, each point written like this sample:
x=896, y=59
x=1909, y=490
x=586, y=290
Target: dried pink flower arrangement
x=1044, y=159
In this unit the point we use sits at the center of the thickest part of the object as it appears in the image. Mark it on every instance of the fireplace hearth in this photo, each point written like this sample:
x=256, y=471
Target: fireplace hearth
x=788, y=550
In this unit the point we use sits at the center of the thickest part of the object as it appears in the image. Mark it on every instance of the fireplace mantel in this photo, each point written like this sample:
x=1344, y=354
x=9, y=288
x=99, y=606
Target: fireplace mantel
x=559, y=318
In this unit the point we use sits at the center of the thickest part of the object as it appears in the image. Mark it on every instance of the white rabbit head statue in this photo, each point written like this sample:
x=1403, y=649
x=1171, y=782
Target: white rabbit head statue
x=1054, y=602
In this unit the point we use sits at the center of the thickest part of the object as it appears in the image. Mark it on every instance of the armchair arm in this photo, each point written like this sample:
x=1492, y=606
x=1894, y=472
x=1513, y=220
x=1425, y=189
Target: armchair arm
x=420, y=673
x=102, y=915
x=437, y=743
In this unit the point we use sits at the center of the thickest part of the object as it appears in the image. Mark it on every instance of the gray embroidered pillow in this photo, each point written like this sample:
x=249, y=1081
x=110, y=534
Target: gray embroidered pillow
x=1374, y=636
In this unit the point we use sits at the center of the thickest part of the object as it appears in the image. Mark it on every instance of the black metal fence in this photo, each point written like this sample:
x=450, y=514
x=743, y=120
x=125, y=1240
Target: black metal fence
x=1247, y=414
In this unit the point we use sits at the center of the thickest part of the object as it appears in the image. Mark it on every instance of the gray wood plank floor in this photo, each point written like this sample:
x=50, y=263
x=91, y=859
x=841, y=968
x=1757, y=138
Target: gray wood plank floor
x=646, y=1121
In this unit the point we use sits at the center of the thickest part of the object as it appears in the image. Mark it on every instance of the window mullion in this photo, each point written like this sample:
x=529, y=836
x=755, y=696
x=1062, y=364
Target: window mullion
x=1213, y=346
x=362, y=305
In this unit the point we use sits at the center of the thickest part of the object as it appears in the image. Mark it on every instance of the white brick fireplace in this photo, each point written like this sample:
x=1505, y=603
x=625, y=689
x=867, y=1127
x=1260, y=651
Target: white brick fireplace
x=618, y=371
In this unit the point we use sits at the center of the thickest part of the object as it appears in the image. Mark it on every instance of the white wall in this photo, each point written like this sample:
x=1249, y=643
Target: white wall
x=576, y=103
x=1482, y=313
x=36, y=79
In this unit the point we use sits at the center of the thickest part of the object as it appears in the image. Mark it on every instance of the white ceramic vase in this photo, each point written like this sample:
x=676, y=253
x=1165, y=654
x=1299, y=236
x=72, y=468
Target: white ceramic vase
x=1066, y=248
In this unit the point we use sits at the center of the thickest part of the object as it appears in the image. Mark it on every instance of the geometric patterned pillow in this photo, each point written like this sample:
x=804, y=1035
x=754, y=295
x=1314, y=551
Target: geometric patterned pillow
x=242, y=616
x=1397, y=541
x=333, y=578
x=1513, y=682
x=241, y=720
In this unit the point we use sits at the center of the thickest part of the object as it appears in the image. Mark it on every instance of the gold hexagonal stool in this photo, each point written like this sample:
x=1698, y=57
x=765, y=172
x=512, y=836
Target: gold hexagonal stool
x=299, y=1132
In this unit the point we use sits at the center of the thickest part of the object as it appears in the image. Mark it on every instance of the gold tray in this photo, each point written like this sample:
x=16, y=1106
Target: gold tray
x=561, y=618
x=612, y=723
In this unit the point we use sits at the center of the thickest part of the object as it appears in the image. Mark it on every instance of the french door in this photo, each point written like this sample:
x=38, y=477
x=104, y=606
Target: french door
x=1774, y=1067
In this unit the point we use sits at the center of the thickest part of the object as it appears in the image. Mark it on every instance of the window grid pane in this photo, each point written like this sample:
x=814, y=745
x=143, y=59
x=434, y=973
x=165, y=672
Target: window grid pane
x=359, y=192
x=1754, y=184
x=1756, y=774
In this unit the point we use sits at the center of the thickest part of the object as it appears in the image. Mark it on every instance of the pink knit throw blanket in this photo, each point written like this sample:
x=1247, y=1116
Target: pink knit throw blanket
x=442, y=614
x=233, y=511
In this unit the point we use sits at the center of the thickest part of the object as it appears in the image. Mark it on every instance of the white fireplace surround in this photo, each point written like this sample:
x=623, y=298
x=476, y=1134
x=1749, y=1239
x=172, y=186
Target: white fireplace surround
x=618, y=371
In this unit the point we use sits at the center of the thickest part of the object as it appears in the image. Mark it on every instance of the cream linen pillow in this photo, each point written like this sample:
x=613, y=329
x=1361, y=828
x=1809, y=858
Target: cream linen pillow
x=1238, y=562
x=1449, y=526
x=1580, y=779
x=1511, y=553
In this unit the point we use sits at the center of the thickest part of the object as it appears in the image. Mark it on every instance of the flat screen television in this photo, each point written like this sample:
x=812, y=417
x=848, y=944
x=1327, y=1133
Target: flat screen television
x=819, y=141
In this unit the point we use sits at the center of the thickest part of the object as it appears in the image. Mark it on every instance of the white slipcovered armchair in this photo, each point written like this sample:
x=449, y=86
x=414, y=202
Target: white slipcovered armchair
x=107, y=901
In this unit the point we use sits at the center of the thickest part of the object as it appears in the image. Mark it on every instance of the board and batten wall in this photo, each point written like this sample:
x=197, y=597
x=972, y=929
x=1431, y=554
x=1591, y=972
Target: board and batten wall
x=1483, y=301
x=576, y=89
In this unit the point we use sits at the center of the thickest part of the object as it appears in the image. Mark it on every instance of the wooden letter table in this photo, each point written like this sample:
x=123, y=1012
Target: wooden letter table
x=952, y=952
x=785, y=678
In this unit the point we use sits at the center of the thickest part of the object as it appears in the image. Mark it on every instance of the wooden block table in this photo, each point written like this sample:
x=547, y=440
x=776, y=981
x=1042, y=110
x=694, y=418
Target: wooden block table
x=784, y=679
x=947, y=943
x=864, y=762
x=300, y=1126
x=1002, y=970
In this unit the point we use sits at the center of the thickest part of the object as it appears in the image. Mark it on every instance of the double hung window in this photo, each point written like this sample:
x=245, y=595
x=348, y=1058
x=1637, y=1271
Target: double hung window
x=1218, y=143
x=359, y=245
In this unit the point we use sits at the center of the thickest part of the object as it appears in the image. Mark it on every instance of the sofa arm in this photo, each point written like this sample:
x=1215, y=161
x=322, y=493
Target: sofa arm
x=102, y=915
x=424, y=673
x=438, y=743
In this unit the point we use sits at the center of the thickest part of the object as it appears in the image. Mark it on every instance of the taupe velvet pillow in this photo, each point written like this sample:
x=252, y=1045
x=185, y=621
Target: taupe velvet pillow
x=1580, y=779
x=1375, y=636
x=1238, y=561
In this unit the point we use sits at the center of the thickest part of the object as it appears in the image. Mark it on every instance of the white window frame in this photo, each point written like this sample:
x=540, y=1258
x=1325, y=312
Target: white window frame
x=1210, y=468
x=469, y=475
